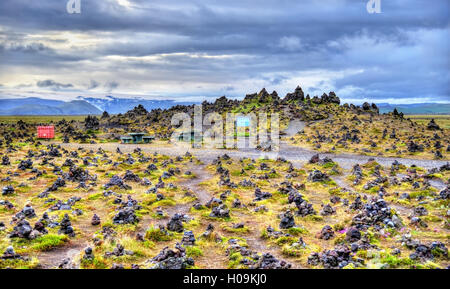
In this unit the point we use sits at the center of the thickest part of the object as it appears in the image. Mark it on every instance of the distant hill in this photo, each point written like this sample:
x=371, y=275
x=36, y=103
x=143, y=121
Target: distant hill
x=81, y=106
x=416, y=108
x=115, y=105
x=38, y=106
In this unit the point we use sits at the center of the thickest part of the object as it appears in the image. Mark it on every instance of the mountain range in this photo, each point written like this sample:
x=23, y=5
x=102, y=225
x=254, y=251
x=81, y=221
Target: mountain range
x=95, y=106
x=80, y=106
x=416, y=108
x=115, y=105
x=39, y=106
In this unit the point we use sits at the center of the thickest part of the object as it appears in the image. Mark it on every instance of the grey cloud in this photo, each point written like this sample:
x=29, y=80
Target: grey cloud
x=402, y=52
x=52, y=84
x=111, y=85
x=94, y=84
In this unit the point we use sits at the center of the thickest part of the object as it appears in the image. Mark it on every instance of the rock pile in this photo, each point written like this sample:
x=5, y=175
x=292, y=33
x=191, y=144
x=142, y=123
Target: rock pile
x=95, y=220
x=118, y=251
x=326, y=233
x=337, y=258
x=432, y=125
x=259, y=195
x=176, y=223
x=318, y=176
x=117, y=181
x=357, y=172
x=304, y=208
x=171, y=259
x=25, y=164
x=327, y=210
x=10, y=254
x=27, y=212
x=5, y=161
x=66, y=227
x=268, y=261
x=188, y=238
x=22, y=230
x=375, y=213
x=220, y=211
x=126, y=216
x=287, y=220
x=8, y=190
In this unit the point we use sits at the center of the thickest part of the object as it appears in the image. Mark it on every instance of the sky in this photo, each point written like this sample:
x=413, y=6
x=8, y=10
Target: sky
x=194, y=50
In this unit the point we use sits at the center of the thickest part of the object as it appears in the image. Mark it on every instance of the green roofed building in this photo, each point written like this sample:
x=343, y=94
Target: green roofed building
x=137, y=137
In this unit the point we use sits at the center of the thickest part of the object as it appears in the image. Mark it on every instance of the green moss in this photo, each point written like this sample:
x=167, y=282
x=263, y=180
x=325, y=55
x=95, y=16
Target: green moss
x=156, y=235
x=94, y=197
x=236, y=230
x=340, y=239
x=328, y=165
x=236, y=173
x=349, y=266
x=235, y=260
x=395, y=262
x=264, y=234
x=43, y=243
x=19, y=264
x=427, y=265
x=374, y=190
x=296, y=231
x=164, y=203
x=422, y=193
x=293, y=251
x=96, y=263
x=362, y=254
x=285, y=240
x=338, y=227
x=193, y=251
x=431, y=218
x=315, y=218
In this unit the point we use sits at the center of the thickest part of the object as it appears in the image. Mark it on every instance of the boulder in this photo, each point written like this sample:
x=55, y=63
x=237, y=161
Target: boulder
x=176, y=223
x=326, y=233
x=188, y=238
x=287, y=220
x=432, y=125
x=171, y=259
x=66, y=226
x=95, y=220
x=220, y=211
x=126, y=216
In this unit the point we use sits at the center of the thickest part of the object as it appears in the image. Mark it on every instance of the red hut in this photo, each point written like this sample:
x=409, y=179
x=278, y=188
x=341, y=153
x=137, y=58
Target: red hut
x=46, y=132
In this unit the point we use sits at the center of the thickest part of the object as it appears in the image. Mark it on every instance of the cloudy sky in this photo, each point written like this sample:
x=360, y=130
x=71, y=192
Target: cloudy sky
x=190, y=50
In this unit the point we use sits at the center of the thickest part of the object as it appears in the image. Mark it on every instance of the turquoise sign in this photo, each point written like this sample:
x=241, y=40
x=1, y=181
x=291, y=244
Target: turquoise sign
x=243, y=122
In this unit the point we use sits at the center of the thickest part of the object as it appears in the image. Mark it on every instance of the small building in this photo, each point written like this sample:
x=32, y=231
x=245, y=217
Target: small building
x=126, y=139
x=191, y=136
x=137, y=137
x=46, y=132
x=148, y=138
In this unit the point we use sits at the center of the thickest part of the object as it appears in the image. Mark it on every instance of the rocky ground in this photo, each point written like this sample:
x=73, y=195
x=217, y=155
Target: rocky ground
x=135, y=208
x=84, y=201
x=318, y=123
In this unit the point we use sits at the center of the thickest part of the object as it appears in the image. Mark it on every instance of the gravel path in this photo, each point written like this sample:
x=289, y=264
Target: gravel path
x=295, y=154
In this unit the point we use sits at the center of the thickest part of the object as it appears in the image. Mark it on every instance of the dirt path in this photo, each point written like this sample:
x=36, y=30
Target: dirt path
x=201, y=175
x=291, y=153
x=72, y=249
x=53, y=258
